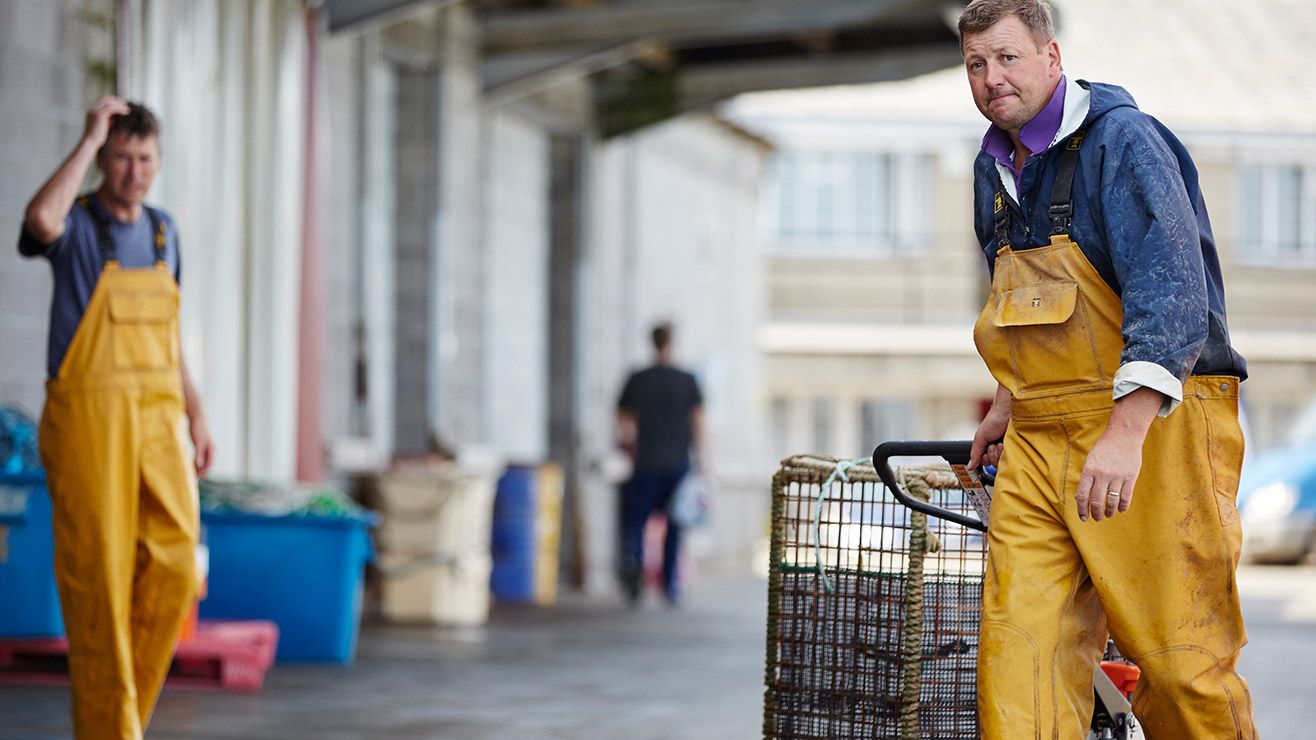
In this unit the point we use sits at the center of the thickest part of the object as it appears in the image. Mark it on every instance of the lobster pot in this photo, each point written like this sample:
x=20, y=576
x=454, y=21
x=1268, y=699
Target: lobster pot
x=873, y=609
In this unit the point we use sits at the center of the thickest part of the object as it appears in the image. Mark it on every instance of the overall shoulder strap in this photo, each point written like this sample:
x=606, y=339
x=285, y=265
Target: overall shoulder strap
x=1061, y=210
x=158, y=230
x=1001, y=214
x=103, y=237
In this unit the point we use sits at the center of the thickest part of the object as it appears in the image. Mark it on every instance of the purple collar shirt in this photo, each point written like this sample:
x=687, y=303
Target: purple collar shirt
x=1038, y=135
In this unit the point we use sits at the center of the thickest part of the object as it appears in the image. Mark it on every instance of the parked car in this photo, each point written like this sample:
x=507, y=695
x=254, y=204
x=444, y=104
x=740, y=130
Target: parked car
x=1277, y=496
x=1277, y=503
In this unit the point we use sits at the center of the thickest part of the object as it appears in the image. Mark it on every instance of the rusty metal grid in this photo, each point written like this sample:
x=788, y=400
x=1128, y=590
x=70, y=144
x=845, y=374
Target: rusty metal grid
x=844, y=664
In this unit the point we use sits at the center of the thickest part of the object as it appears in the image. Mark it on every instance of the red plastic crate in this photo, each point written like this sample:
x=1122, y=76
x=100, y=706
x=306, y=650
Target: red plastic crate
x=232, y=656
x=224, y=656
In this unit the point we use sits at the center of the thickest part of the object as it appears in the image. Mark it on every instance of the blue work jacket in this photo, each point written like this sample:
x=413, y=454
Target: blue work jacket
x=1139, y=217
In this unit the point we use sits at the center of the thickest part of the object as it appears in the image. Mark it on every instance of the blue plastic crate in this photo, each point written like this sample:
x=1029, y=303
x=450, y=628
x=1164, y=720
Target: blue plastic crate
x=27, y=559
x=304, y=573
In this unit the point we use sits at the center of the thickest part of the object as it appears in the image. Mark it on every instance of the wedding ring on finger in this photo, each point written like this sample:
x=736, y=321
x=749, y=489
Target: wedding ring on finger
x=1112, y=494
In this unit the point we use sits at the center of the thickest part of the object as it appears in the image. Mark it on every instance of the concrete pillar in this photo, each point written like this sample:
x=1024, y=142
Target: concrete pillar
x=417, y=213
x=378, y=245
x=515, y=267
x=456, y=279
x=568, y=156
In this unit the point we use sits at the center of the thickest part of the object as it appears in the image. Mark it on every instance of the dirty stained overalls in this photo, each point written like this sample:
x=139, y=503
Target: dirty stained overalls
x=119, y=467
x=1160, y=577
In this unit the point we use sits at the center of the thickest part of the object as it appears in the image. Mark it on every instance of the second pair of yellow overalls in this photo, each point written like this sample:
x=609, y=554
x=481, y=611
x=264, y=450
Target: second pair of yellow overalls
x=1158, y=578
x=119, y=468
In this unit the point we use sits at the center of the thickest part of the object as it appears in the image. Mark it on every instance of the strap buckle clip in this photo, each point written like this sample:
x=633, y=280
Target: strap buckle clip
x=1061, y=217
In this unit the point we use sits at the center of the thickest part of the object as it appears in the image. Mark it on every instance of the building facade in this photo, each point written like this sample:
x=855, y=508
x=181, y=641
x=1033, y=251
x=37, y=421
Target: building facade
x=875, y=276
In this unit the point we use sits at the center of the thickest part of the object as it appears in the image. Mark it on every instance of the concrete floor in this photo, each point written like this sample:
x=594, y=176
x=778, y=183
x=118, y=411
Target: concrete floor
x=581, y=669
x=597, y=669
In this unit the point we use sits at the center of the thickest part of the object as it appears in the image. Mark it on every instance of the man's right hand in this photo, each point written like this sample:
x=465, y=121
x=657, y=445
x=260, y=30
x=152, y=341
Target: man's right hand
x=97, y=128
x=45, y=214
x=986, y=448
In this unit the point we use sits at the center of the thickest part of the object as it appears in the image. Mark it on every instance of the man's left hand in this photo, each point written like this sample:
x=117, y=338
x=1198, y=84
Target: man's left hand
x=202, y=444
x=1105, y=487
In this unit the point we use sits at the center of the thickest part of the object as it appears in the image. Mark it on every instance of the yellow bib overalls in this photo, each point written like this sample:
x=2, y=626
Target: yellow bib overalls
x=1159, y=578
x=118, y=463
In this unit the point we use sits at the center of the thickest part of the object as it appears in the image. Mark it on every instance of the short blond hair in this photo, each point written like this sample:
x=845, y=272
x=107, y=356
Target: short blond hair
x=981, y=15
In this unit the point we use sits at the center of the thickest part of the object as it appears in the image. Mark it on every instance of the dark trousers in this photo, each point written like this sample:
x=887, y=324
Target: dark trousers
x=645, y=493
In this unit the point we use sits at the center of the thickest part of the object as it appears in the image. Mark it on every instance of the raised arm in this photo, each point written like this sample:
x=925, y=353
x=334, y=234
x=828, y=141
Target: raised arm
x=45, y=214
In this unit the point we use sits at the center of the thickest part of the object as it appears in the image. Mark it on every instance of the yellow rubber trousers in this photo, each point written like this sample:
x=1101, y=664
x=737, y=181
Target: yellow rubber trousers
x=1159, y=578
x=119, y=468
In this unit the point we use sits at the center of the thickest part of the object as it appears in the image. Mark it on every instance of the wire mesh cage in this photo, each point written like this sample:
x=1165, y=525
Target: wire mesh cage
x=873, y=608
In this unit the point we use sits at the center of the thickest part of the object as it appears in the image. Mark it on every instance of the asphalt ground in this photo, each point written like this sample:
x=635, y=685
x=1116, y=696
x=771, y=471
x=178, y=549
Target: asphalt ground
x=596, y=668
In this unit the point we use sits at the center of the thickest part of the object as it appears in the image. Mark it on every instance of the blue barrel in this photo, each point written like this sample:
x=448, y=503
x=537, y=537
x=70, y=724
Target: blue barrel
x=514, y=544
x=27, y=559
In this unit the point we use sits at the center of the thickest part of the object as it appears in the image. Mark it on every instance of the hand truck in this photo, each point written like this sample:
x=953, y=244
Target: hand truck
x=875, y=597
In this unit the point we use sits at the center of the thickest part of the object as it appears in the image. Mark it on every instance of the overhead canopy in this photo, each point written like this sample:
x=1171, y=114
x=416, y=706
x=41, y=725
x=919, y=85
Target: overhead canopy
x=348, y=14
x=653, y=59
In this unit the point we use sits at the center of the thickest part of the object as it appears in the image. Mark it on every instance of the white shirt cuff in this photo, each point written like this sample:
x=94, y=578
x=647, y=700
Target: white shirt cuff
x=1134, y=375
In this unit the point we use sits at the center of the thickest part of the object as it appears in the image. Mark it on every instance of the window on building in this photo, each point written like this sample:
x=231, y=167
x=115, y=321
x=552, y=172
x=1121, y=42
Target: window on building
x=885, y=420
x=1277, y=207
x=848, y=202
x=824, y=413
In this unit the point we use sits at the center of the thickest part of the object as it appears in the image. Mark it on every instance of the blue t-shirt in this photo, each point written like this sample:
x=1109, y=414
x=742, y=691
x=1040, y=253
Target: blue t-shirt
x=76, y=262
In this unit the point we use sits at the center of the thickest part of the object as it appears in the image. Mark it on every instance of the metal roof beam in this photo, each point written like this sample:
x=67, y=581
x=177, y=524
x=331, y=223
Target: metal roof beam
x=510, y=76
x=629, y=105
x=703, y=85
x=359, y=15
x=680, y=21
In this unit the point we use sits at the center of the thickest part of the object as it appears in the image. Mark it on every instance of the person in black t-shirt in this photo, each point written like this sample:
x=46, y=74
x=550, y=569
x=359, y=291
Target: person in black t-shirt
x=659, y=419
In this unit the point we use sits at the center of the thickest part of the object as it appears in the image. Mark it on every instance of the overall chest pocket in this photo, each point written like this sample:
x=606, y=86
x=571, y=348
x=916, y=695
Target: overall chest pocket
x=1047, y=329
x=144, y=332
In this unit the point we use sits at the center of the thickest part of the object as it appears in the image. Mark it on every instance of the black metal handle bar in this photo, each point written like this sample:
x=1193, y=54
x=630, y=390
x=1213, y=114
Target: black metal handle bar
x=955, y=453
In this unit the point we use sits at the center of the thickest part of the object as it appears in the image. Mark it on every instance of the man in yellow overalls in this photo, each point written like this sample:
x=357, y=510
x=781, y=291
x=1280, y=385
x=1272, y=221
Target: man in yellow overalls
x=1116, y=417
x=113, y=438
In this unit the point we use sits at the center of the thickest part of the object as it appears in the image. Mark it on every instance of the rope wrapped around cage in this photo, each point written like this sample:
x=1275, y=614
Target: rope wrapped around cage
x=919, y=484
x=840, y=469
x=804, y=470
